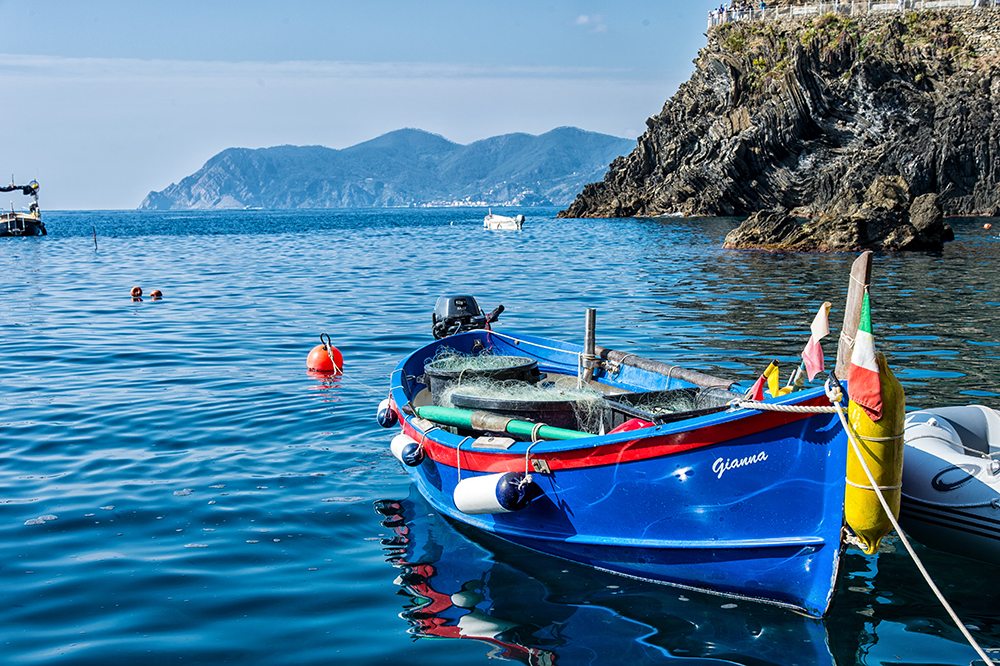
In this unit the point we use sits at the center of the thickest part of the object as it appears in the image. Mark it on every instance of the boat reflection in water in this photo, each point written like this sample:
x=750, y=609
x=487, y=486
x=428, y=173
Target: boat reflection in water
x=465, y=584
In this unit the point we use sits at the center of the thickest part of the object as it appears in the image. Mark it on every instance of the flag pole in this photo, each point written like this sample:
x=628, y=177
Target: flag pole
x=861, y=276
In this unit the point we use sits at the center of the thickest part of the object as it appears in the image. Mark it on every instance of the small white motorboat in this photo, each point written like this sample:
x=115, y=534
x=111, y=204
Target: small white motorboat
x=951, y=480
x=503, y=222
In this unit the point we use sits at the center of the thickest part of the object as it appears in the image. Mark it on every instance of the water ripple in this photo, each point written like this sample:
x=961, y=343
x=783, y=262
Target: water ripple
x=177, y=488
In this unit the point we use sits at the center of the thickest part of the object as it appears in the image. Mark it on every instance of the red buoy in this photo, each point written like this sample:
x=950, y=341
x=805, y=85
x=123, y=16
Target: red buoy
x=319, y=359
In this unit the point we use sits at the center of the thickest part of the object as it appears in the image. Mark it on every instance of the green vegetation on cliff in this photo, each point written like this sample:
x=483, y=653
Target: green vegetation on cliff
x=800, y=115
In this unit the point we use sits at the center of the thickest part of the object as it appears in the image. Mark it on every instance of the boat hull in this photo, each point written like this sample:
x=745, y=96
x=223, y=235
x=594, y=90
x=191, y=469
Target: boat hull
x=951, y=495
x=20, y=224
x=462, y=584
x=742, y=503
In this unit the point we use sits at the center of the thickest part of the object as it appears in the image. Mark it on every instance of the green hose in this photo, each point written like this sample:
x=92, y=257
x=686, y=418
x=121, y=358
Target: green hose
x=463, y=418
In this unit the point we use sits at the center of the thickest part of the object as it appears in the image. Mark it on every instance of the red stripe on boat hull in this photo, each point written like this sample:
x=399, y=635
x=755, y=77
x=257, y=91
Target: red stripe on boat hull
x=608, y=454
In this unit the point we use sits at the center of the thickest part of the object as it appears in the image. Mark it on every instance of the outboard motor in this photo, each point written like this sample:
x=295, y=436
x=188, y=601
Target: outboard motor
x=455, y=314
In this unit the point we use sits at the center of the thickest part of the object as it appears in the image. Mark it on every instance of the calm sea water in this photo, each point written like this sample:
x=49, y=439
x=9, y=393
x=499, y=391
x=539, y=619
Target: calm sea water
x=176, y=489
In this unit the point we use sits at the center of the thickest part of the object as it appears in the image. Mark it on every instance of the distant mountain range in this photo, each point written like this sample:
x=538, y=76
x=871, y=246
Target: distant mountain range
x=408, y=167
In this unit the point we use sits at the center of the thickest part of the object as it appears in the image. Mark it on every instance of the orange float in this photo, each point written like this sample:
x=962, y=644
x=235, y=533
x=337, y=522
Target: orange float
x=325, y=358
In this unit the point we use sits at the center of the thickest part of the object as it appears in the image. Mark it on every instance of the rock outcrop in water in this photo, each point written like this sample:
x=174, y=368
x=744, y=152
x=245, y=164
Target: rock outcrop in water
x=802, y=119
x=883, y=218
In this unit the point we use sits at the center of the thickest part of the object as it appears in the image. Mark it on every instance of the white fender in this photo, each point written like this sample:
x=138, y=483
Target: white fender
x=406, y=450
x=494, y=493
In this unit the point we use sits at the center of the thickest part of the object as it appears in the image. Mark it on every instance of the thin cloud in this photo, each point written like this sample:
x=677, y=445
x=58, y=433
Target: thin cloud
x=124, y=70
x=594, y=23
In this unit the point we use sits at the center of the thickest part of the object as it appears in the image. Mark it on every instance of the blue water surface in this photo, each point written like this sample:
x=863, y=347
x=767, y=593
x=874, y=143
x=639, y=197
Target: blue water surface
x=175, y=488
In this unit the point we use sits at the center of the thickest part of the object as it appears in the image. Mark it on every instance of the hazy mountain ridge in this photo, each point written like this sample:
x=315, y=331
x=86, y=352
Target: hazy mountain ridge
x=407, y=167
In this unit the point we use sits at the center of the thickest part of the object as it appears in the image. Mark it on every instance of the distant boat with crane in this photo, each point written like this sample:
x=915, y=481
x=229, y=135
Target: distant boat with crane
x=20, y=223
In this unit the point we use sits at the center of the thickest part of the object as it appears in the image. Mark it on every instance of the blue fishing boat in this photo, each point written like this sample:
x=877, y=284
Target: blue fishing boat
x=712, y=496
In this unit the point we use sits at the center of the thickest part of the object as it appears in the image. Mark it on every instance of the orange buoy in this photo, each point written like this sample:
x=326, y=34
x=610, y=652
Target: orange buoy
x=325, y=358
x=987, y=225
x=136, y=292
x=156, y=294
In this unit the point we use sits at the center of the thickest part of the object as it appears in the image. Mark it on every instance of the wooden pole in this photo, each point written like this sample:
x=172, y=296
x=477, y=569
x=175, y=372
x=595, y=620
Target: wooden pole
x=861, y=276
x=693, y=376
x=589, y=336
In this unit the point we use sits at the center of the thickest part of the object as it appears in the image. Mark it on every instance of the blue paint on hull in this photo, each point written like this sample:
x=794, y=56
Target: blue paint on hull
x=765, y=526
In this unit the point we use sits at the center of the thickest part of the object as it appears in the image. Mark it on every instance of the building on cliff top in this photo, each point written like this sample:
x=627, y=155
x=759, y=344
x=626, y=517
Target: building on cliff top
x=785, y=9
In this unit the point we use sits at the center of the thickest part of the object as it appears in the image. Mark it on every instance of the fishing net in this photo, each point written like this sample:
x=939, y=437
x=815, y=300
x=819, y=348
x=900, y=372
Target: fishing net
x=670, y=405
x=447, y=359
x=666, y=402
x=577, y=409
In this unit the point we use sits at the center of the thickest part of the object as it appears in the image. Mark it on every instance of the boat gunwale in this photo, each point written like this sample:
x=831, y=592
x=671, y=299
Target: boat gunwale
x=597, y=450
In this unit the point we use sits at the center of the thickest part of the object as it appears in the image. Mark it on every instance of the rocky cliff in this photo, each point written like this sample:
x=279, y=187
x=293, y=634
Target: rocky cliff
x=402, y=168
x=801, y=116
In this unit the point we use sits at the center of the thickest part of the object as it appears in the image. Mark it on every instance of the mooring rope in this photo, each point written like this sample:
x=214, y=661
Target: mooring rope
x=994, y=503
x=835, y=397
x=458, y=457
x=858, y=485
x=527, y=454
x=968, y=449
x=797, y=409
x=539, y=346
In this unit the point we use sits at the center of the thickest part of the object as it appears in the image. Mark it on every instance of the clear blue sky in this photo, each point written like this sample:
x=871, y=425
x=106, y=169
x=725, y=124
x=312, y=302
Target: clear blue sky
x=105, y=100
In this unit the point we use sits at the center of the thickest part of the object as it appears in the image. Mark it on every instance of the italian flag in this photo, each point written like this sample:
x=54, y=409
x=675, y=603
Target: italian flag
x=862, y=380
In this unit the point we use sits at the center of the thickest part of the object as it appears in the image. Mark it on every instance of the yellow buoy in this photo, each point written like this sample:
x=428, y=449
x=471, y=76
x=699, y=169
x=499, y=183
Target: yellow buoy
x=881, y=444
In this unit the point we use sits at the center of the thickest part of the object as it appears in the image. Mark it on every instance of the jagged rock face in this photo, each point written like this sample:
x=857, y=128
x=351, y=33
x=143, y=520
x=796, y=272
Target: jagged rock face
x=807, y=116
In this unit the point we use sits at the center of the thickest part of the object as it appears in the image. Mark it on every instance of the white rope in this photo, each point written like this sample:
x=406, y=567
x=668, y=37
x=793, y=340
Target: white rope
x=891, y=438
x=798, y=409
x=350, y=378
x=858, y=485
x=535, y=344
x=336, y=368
x=423, y=437
x=968, y=449
x=458, y=457
x=534, y=434
x=534, y=440
x=902, y=537
x=994, y=503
